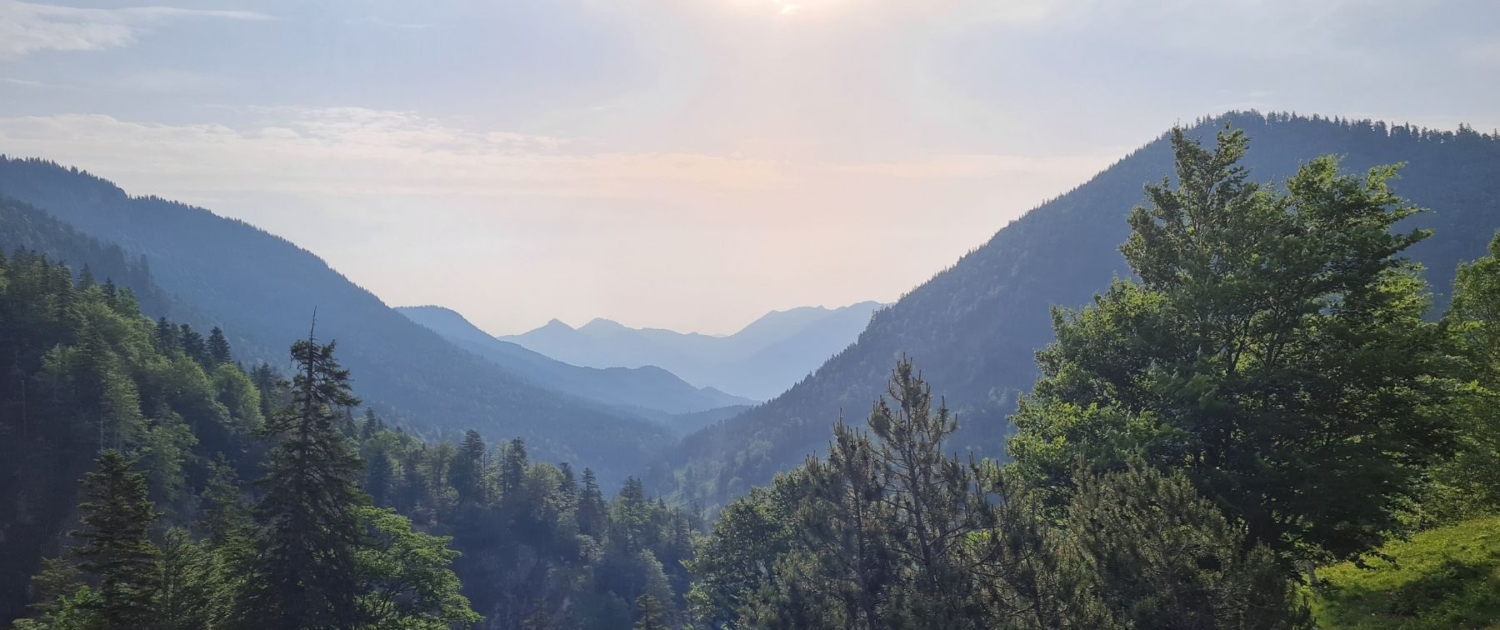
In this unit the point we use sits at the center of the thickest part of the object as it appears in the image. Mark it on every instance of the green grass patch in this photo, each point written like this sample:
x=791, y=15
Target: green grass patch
x=1442, y=579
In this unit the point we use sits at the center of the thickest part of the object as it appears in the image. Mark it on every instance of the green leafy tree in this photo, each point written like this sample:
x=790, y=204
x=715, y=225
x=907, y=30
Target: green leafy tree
x=407, y=580
x=732, y=565
x=1469, y=484
x=1273, y=348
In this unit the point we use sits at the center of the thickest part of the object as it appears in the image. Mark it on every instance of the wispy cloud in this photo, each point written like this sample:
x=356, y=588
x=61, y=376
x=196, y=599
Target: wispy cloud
x=354, y=150
x=27, y=27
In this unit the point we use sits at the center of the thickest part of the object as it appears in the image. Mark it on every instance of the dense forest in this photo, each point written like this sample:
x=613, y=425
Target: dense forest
x=152, y=482
x=1275, y=419
x=975, y=326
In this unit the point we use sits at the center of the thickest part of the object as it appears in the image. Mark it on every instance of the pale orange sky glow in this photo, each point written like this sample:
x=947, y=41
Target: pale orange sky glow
x=687, y=164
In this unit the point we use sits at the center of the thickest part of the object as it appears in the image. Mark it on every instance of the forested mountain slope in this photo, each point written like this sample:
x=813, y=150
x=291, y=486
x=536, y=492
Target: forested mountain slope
x=24, y=228
x=759, y=361
x=647, y=387
x=264, y=290
x=973, y=328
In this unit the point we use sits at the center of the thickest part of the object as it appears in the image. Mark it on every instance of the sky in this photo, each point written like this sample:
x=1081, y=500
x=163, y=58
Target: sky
x=684, y=164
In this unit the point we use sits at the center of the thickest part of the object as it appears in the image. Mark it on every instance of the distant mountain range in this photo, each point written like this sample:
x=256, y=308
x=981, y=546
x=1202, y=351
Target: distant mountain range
x=263, y=291
x=647, y=389
x=760, y=361
x=973, y=329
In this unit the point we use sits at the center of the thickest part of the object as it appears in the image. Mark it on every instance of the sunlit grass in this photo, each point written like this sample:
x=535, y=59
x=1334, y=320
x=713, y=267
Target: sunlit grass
x=1447, y=578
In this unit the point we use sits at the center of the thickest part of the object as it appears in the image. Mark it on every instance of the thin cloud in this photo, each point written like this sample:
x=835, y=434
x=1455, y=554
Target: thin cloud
x=360, y=151
x=27, y=27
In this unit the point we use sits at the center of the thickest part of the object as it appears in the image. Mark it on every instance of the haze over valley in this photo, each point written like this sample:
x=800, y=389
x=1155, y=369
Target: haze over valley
x=749, y=314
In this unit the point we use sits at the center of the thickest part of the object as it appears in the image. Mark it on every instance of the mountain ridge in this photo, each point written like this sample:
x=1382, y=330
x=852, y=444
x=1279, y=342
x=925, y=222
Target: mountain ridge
x=757, y=361
x=647, y=387
x=973, y=327
x=264, y=289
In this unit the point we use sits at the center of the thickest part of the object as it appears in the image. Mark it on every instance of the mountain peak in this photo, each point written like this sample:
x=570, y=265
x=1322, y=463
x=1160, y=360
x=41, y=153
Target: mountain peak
x=556, y=324
x=599, y=324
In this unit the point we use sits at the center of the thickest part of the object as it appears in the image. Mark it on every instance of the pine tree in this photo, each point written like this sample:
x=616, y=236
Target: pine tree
x=117, y=551
x=192, y=344
x=223, y=513
x=218, y=347
x=593, y=516
x=467, y=474
x=649, y=614
x=378, y=475
x=513, y=466
x=304, y=575
x=86, y=278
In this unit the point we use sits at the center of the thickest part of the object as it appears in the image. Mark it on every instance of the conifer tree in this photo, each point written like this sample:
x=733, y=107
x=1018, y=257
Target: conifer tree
x=223, y=513
x=304, y=575
x=649, y=614
x=378, y=476
x=167, y=339
x=192, y=344
x=467, y=474
x=218, y=347
x=592, y=514
x=117, y=551
x=513, y=466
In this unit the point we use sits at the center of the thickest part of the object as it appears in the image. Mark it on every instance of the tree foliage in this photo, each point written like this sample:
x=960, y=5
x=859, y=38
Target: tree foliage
x=1274, y=348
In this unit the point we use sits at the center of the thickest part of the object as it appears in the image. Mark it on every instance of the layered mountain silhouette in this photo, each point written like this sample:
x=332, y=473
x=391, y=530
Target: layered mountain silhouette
x=973, y=328
x=263, y=291
x=650, y=389
x=759, y=361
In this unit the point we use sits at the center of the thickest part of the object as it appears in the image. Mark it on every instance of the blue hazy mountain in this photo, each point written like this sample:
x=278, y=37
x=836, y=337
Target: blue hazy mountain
x=759, y=361
x=649, y=387
x=263, y=290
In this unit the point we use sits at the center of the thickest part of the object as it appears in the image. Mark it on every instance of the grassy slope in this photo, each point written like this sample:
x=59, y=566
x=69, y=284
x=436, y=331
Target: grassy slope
x=1445, y=578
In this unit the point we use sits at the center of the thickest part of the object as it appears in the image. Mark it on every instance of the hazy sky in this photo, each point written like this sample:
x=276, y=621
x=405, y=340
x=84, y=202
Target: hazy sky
x=688, y=164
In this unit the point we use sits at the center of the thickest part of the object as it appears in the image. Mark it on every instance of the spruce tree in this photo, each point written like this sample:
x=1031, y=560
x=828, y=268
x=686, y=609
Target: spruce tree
x=513, y=466
x=218, y=347
x=467, y=473
x=117, y=550
x=167, y=339
x=649, y=614
x=593, y=516
x=378, y=475
x=304, y=574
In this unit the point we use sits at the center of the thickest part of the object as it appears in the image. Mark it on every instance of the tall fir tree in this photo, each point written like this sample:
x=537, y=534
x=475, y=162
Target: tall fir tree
x=649, y=614
x=304, y=575
x=117, y=550
x=219, y=352
x=467, y=473
x=192, y=343
x=593, y=515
